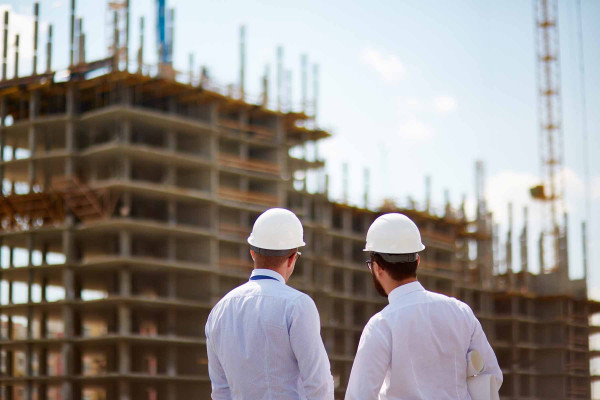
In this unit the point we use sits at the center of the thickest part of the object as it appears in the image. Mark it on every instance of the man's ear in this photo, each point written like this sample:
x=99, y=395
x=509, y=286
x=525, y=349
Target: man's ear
x=252, y=254
x=377, y=270
x=418, y=260
x=291, y=260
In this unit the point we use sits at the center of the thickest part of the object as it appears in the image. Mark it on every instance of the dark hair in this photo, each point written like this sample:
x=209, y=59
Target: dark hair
x=270, y=262
x=398, y=271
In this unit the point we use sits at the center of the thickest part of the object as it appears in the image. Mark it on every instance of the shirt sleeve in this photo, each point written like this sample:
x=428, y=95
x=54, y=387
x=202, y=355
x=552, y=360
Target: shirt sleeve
x=308, y=348
x=371, y=363
x=218, y=379
x=479, y=342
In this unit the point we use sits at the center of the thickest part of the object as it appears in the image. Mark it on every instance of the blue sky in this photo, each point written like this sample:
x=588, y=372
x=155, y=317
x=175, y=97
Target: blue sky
x=409, y=88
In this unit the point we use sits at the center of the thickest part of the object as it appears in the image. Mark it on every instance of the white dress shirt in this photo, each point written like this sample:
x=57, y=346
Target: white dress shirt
x=416, y=349
x=263, y=341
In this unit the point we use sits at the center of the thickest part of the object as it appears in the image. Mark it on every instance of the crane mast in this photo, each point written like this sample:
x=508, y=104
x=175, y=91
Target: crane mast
x=550, y=192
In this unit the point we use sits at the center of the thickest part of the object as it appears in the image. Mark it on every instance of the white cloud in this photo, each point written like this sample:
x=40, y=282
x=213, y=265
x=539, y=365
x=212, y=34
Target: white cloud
x=415, y=129
x=410, y=104
x=513, y=187
x=57, y=4
x=387, y=65
x=508, y=187
x=444, y=104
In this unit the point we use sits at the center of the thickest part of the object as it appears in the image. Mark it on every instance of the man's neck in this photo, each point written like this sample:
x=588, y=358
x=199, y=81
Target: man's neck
x=396, y=284
x=278, y=270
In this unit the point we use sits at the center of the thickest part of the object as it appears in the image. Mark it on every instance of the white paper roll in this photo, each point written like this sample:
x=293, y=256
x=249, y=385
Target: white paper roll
x=483, y=387
x=475, y=363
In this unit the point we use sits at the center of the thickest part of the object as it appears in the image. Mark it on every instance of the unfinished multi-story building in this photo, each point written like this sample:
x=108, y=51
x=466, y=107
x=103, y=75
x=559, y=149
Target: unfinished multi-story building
x=126, y=204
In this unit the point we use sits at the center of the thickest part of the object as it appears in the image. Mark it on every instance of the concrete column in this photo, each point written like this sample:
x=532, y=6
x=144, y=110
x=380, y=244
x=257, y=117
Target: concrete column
x=11, y=264
x=171, y=176
x=70, y=132
x=125, y=210
x=124, y=387
x=244, y=184
x=126, y=168
x=171, y=249
x=171, y=140
x=172, y=211
x=2, y=133
x=126, y=131
x=215, y=285
x=124, y=366
x=172, y=361
x=282, y=158
x=172, y=285
x=2, y=140
x=243, y=119
x=124, y=282
x=32, y=138
x=68, y=317
x=127, y=95
x=514, y=303
x=124, y=243
x=244, y=150
x=171, y=391
x=171, y=331
x=29, y=347
x=124, y=315
x=327, y=269
x=124, y=329
x=214, y=149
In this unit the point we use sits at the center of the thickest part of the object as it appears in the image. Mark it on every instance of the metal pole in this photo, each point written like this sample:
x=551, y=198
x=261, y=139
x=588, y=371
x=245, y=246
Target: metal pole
x=525, y=249
x=126, y=35
x=16, y=56
x=49, y=50
x=303, y=63
x=115, y=41
x=5, y=48
x=242, y=60
x=72, y=41
x=288, y=89
x=36, y=13
x=191, y=68
x=265, y=82
x=315, y=92
x=279, y=75
x=171, y=34
x=80, y=50
x=508, y=249
x=345, y=188
x=141, y=49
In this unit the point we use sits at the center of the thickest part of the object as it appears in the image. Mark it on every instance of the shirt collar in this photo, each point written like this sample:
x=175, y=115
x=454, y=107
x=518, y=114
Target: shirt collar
x=396, y=294
x=268, y=272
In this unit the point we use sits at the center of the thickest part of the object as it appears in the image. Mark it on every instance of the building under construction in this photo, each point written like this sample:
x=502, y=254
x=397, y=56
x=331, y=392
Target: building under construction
x=126, y=204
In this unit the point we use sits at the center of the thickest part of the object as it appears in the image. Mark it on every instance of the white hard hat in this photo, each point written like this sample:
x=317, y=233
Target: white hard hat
x=394, y=233
x=277, y=229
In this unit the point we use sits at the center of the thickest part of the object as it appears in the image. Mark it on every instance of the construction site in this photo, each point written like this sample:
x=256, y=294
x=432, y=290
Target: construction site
x=128, y=197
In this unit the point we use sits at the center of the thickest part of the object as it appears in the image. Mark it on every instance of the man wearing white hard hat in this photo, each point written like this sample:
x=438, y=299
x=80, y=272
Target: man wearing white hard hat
x=417, y=346
x=263, y=338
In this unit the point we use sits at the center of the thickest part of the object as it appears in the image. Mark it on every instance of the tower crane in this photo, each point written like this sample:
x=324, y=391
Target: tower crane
x=550, y=192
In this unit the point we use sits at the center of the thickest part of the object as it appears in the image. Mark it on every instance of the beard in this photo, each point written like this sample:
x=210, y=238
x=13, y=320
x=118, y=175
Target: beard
x=378, y=286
